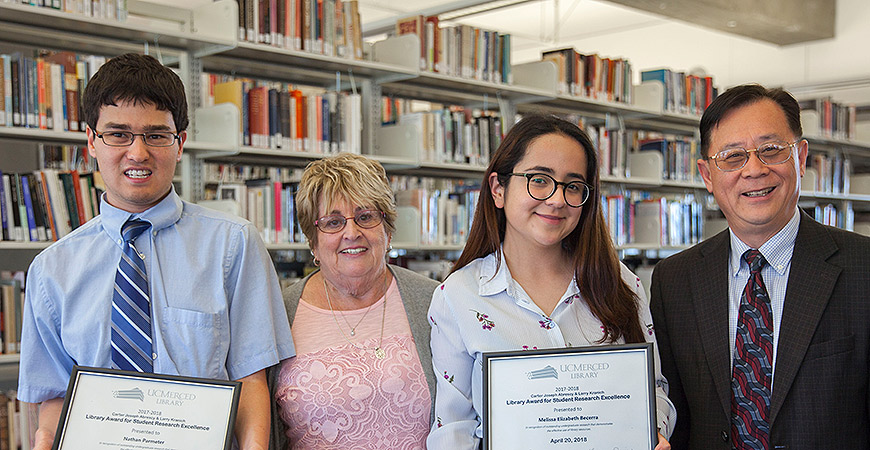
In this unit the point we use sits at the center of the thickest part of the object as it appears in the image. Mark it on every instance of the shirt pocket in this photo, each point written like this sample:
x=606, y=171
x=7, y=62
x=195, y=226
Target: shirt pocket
x=196, y=342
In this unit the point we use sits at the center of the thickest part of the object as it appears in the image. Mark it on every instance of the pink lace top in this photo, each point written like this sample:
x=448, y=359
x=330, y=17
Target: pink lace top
x=334, y=395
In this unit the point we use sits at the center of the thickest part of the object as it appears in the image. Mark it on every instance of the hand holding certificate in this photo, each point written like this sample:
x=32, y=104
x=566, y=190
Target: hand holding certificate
x=112, y=409
x=591, y=397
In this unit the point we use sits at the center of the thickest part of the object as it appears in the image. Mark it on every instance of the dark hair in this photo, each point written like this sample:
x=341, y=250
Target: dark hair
x=139, y=79
x=596, y=266
x=743, y=95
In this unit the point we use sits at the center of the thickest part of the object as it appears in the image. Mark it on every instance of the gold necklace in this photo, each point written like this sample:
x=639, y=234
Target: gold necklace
x=379, y=350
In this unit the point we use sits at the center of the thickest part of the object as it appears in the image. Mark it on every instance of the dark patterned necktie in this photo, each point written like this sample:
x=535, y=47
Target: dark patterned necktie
x=752, y=375
x=131, y=306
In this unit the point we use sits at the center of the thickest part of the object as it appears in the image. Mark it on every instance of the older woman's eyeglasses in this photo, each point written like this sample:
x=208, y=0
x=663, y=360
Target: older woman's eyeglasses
x=769, y=153
x=333, y=223
x=542, y=186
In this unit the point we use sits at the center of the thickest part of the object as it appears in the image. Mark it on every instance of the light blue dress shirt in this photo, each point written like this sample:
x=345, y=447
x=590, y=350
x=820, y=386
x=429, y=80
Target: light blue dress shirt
x=478, y=310
x=217, y=310
x=777, y=252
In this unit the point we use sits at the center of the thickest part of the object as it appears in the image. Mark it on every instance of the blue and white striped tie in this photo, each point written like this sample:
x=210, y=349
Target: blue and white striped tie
x=131, y=306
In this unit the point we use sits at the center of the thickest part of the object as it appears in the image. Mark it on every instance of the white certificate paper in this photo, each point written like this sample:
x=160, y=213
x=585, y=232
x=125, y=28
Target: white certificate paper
x=599, y=397
x=118, y=410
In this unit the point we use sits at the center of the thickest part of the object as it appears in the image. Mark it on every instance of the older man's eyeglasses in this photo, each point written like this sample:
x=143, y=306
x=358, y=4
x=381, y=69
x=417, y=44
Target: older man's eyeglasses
x=151, y=138
x=542, y=186
x=333, y=223
x=769, y=153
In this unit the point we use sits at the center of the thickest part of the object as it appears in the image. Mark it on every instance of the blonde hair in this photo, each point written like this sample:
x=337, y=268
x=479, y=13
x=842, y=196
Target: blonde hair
x=355, y=178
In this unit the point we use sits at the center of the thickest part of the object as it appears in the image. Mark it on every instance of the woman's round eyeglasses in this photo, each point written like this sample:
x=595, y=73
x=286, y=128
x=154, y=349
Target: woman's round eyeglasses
x=542, y=186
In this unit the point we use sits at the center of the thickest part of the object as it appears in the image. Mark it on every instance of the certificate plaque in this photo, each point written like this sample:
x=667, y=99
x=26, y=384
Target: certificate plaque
x=599, y=397
x=118, y=410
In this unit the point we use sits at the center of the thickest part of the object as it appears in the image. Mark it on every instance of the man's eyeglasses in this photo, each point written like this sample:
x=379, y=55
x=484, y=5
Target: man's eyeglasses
x=769, y=153
x=333, y=223
x=542, y=186
x=151, y=138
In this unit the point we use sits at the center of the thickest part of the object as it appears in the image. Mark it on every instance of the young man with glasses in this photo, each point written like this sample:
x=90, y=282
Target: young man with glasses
x=764, y=329
x=152, y=284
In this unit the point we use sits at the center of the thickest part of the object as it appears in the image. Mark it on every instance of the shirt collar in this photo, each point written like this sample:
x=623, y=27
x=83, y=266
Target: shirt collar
x=162, y=215
x=495, y=278
x=777, y=250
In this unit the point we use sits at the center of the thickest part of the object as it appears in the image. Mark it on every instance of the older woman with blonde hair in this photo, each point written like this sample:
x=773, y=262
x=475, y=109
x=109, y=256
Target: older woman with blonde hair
x=362, y=375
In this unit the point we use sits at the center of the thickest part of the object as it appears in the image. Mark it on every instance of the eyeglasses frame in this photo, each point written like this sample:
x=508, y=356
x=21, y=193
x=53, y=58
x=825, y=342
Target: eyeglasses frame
x=790, y=155
x=380, y=213
x=175, y=137
x=528, y=176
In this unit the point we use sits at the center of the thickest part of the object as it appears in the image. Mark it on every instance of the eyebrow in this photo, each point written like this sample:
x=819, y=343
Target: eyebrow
x=550, y=171
x=124, y=126
x=742, y=144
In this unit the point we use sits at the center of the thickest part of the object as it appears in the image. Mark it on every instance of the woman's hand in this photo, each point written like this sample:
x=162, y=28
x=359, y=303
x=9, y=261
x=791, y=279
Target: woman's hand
x=663, y=443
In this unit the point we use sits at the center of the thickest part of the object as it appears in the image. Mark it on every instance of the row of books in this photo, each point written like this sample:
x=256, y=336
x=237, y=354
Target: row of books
x=44, y=91
x=835, y=120
x=591, y=76
x=679, y=154
x=102, y=9
x=266, y=198
x=683, y=93
x=294, y=118
x=11, y=303
x=327, y=27
x=442, y=208
x=18, y=422
x=47, y=204
x=644, y=218
x=833, y=173
x=461, y=50
x=456, y=134
x=829, y=214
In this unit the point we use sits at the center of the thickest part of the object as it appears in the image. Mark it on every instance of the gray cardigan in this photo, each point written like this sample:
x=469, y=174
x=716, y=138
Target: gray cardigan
x=416, y=292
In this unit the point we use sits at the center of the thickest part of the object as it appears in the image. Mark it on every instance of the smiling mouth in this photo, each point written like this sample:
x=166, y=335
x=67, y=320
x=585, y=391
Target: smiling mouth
x=353, y=251
x=137, y=173
x=759, y=193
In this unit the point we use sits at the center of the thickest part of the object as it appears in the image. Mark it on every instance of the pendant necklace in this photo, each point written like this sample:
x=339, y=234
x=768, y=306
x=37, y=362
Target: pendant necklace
x=379, y=350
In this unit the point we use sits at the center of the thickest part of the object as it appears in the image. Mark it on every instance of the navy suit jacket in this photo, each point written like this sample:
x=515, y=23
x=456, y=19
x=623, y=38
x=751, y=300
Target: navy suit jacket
x=821, y=377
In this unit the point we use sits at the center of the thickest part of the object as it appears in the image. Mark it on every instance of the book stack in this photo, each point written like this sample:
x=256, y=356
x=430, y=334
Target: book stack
x=456, y=135
x=647, y=219
x=460, y=51
x=47, y=204
x=265, y=196
x=683, y=93
x=44, y=91
x=101, y=9
x=679, y=154
x=591, y=76
x=284, y=116
x=833, y=119
x=833, y=173
x=833, y=215
x=444, y=208
x=324, y=27
x=11, y=307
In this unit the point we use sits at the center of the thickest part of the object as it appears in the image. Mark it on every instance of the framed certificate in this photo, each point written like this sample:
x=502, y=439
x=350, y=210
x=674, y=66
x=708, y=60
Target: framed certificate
x=114, y=409
x=589, y=397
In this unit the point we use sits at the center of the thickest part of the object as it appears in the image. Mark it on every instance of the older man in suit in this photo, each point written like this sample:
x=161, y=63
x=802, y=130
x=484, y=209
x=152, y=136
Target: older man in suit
x=764, y=329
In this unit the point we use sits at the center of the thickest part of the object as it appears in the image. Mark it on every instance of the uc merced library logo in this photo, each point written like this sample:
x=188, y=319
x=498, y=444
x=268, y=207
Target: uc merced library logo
x=546, y=372
x=129, y=394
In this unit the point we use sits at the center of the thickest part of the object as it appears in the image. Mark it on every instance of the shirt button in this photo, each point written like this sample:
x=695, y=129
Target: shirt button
x=154, y=356
x=154, y=233
x=120, y=242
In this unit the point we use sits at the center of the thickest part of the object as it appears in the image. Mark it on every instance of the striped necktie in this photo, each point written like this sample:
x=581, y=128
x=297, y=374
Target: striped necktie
x=131, y=306
x=752, y=375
